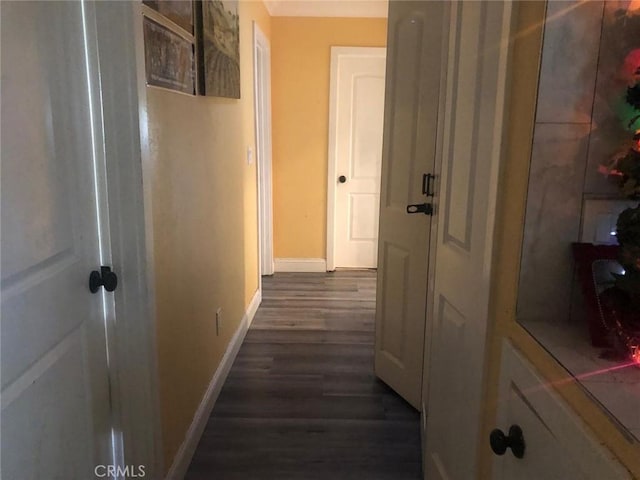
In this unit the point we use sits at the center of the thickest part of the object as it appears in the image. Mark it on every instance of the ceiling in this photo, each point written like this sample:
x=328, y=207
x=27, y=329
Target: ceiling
x=327, y=8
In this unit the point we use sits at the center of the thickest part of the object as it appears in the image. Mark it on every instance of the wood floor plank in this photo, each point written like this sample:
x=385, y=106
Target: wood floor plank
x=301, y=400
x=298, y=336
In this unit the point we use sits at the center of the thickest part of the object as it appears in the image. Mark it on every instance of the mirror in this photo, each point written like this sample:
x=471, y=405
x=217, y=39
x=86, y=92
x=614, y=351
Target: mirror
x=579, y=290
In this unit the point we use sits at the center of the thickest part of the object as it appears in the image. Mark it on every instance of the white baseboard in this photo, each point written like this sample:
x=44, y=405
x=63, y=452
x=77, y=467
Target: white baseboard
x=300, y=265
x=253, y=308
x=185, y=453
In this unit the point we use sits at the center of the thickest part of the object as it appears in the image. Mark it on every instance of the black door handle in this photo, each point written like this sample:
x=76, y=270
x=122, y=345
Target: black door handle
x=342, y=179
x=103, y=278
x=515, y=441
x=425, y=208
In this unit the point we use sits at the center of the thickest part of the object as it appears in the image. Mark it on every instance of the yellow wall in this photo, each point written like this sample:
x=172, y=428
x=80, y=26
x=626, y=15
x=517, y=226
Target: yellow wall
x=509, y=228
x=300, y=60
x=203, y=197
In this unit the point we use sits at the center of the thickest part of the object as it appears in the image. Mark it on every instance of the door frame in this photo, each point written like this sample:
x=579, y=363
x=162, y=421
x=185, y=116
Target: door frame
x=123, y=113
x=336, y=53
x=262, y=109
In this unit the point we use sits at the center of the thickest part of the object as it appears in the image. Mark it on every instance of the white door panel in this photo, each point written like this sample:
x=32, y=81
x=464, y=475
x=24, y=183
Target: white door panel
x=45, y=426
x=470, y=148
x=357, y=102
x=411, y=111
x=55, y=399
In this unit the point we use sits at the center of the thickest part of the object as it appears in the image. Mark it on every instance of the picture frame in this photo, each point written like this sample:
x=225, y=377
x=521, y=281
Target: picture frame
x=169, y=58
x=180, y=12
x=218, y=48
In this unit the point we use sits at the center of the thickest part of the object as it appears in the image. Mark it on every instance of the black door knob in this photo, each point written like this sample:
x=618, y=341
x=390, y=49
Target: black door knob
x=342, y=179
x=515, y=441
x=103, y=278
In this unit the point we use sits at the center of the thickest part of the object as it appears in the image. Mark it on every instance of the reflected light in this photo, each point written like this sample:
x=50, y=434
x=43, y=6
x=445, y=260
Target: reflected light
x=595, y=373
x=631, y=64
x=635, y=362
x=635, y=354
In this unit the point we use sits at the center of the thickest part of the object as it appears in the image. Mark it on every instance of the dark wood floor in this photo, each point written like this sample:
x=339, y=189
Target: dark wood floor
x=301, y=400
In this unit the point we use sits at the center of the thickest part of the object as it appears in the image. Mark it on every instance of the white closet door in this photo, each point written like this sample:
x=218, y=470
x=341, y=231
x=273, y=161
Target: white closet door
x=55, y=389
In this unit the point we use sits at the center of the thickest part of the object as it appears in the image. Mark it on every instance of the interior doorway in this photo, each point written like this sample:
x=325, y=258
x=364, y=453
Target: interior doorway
x=356, y=114
x=262, y=102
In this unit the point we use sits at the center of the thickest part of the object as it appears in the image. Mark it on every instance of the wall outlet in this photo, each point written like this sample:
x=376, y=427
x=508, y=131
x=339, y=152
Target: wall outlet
x=218, y=320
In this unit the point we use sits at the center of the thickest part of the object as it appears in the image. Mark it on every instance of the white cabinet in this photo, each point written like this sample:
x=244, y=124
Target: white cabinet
x=557, y=443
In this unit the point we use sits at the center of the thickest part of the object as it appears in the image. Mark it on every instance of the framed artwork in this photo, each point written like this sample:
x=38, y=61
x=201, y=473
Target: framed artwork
x=219, y=48
x=179, y=12
x=169, y=58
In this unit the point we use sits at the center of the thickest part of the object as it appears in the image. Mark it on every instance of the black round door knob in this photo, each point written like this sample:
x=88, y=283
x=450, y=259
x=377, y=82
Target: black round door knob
x=342, y=179
x=515, y=441
x=103, y=278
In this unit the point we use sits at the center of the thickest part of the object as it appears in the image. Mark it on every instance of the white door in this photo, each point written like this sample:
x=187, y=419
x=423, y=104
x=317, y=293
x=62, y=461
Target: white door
x=355, y=152
x=262, y=102
x=414, y=50
x=557, y=444
x=471, y=150
x=55, y=389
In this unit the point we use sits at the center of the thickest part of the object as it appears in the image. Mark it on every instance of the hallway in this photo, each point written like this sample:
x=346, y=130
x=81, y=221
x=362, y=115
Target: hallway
x=301, y=400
